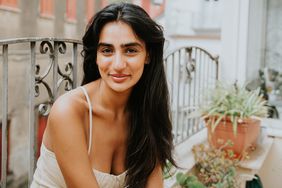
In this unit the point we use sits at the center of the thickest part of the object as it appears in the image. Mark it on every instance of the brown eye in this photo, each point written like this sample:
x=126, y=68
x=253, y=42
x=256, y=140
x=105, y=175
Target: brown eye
x=106, y=51
x=130, y=51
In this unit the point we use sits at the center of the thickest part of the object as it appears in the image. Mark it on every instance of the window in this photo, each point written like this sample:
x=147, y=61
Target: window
x=157, y=8
x=103, y=3
x=89, y=9
x=158, y=2
x=145, y=4
x=153, y=7
x=209, y=17
x=9, y=3
x=47, y=8
x=71, y=10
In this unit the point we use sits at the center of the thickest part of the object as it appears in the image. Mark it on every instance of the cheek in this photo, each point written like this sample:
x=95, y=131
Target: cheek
x=138, y=69
x=137, y=61
x=137, y=65
x=103, y=62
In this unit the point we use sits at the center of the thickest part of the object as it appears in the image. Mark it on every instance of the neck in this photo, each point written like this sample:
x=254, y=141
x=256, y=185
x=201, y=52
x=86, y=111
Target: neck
x=110, y=99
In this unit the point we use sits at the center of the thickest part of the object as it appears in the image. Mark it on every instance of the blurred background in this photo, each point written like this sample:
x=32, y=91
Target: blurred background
x=245, y=34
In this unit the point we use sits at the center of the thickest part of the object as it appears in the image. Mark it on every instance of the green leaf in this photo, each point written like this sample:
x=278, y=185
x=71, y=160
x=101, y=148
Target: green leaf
x=235, y=124
x=196, y=184
x=214, y=125
x=191, y=178
x=180, y=178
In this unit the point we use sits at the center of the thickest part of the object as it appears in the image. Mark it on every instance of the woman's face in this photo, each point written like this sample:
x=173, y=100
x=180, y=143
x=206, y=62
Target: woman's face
x=120, y=56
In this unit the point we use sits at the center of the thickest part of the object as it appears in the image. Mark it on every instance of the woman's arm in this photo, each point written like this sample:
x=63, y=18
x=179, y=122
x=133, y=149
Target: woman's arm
x=68, y=141
x=156, y=178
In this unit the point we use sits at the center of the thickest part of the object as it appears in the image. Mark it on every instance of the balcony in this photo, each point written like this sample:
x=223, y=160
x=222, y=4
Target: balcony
x=36, y=71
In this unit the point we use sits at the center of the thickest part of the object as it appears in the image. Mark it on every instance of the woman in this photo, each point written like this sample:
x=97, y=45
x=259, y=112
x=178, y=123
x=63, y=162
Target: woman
x=117, y=124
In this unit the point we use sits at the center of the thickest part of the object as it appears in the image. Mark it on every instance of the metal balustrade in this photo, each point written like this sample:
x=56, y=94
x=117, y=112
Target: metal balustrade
x=190, y=72
x=52, y=48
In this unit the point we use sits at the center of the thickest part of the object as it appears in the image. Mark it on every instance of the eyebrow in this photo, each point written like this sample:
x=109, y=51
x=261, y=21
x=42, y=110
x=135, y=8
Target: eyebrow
x=131, y=44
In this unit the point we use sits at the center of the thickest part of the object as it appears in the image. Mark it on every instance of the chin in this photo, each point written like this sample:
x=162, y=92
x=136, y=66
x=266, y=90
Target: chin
x=121, y=88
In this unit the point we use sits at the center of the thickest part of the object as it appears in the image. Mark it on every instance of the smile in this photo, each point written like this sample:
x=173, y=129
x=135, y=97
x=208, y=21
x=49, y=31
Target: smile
x=118, y=78
x=119, y=75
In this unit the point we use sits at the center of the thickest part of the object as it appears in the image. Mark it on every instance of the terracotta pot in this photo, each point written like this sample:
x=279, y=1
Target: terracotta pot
x=245, y=140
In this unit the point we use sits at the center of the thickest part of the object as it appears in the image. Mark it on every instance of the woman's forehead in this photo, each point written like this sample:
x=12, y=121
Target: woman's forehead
x=118, y=32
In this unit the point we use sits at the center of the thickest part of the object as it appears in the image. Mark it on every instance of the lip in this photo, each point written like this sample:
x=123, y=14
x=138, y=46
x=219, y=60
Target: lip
x=118, y=78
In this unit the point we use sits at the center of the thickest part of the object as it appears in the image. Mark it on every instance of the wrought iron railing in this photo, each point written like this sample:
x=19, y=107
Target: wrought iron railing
x=39, y=79
x=53, y=62
x=191, y=73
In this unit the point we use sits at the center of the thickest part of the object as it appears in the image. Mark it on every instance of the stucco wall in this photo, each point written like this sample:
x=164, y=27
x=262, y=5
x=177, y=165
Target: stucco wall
x=273, y=54
x=13, y=29
x=184, y=26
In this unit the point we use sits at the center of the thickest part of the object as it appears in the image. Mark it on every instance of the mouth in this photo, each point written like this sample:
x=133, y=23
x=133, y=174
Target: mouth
x=118, y=78
x=119, y=75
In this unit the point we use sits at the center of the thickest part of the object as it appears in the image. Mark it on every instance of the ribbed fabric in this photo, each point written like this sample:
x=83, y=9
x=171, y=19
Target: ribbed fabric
x=48, y=173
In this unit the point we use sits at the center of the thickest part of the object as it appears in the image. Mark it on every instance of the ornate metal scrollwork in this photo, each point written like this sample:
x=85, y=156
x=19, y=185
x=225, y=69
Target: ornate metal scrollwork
x=68, y=67
x=190, y=64
x=62, y=47
x=44, y=108
x=66, y=77
x=46, y=46
x=58, y=47
x=190, y=68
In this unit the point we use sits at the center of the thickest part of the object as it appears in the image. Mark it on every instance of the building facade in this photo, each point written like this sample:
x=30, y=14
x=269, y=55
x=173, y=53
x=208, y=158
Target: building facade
x=193, y=23
x=40, y=18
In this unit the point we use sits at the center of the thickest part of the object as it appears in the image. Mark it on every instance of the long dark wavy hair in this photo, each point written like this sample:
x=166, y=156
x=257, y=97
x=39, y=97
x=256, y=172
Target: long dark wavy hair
x=150, y=131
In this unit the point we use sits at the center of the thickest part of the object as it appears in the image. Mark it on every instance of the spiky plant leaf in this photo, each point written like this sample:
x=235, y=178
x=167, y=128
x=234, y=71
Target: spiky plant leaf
x=235, y=102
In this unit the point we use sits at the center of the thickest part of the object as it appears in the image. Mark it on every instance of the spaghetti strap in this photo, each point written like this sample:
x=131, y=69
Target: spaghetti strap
x=90, y=118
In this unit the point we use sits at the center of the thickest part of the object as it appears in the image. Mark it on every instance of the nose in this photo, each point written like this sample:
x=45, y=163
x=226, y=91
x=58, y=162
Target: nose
x=119, y=62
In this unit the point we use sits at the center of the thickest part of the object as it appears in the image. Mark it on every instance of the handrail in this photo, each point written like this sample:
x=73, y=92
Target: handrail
x=187, y=69
x=213, y=57
x=37, y=39
x=191, y=71
x=51, y=48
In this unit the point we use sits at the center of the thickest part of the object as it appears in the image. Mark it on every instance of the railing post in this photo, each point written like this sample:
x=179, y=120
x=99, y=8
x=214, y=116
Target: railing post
x=74, y=61
x=55, y=69
x=177, y=96
x=32, y=136
x=5, y=116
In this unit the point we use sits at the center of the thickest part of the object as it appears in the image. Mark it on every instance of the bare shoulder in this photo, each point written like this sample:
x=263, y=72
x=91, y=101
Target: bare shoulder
x=66, y=116
x=66, y=133
x=70, y=102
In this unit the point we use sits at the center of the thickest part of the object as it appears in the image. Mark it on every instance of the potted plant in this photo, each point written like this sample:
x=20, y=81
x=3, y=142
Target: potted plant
x=213, y=169
x=188, y=181
x=232, y=114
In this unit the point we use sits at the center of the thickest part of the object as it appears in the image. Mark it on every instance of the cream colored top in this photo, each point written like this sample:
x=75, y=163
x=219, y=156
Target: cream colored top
x=48, y=173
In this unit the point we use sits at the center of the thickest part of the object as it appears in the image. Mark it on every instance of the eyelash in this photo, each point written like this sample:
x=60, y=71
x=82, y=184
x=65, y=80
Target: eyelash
x=108, y=51
x=131, y=50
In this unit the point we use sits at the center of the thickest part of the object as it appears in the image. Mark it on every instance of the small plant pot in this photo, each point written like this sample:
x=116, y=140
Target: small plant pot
x=245, y=141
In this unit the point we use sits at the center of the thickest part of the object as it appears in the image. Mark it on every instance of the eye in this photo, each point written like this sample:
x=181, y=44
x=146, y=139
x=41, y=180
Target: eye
x=131, y=51
x=106, y=51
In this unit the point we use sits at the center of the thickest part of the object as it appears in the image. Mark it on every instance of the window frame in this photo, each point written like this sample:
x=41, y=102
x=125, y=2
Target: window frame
x=47, y=9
